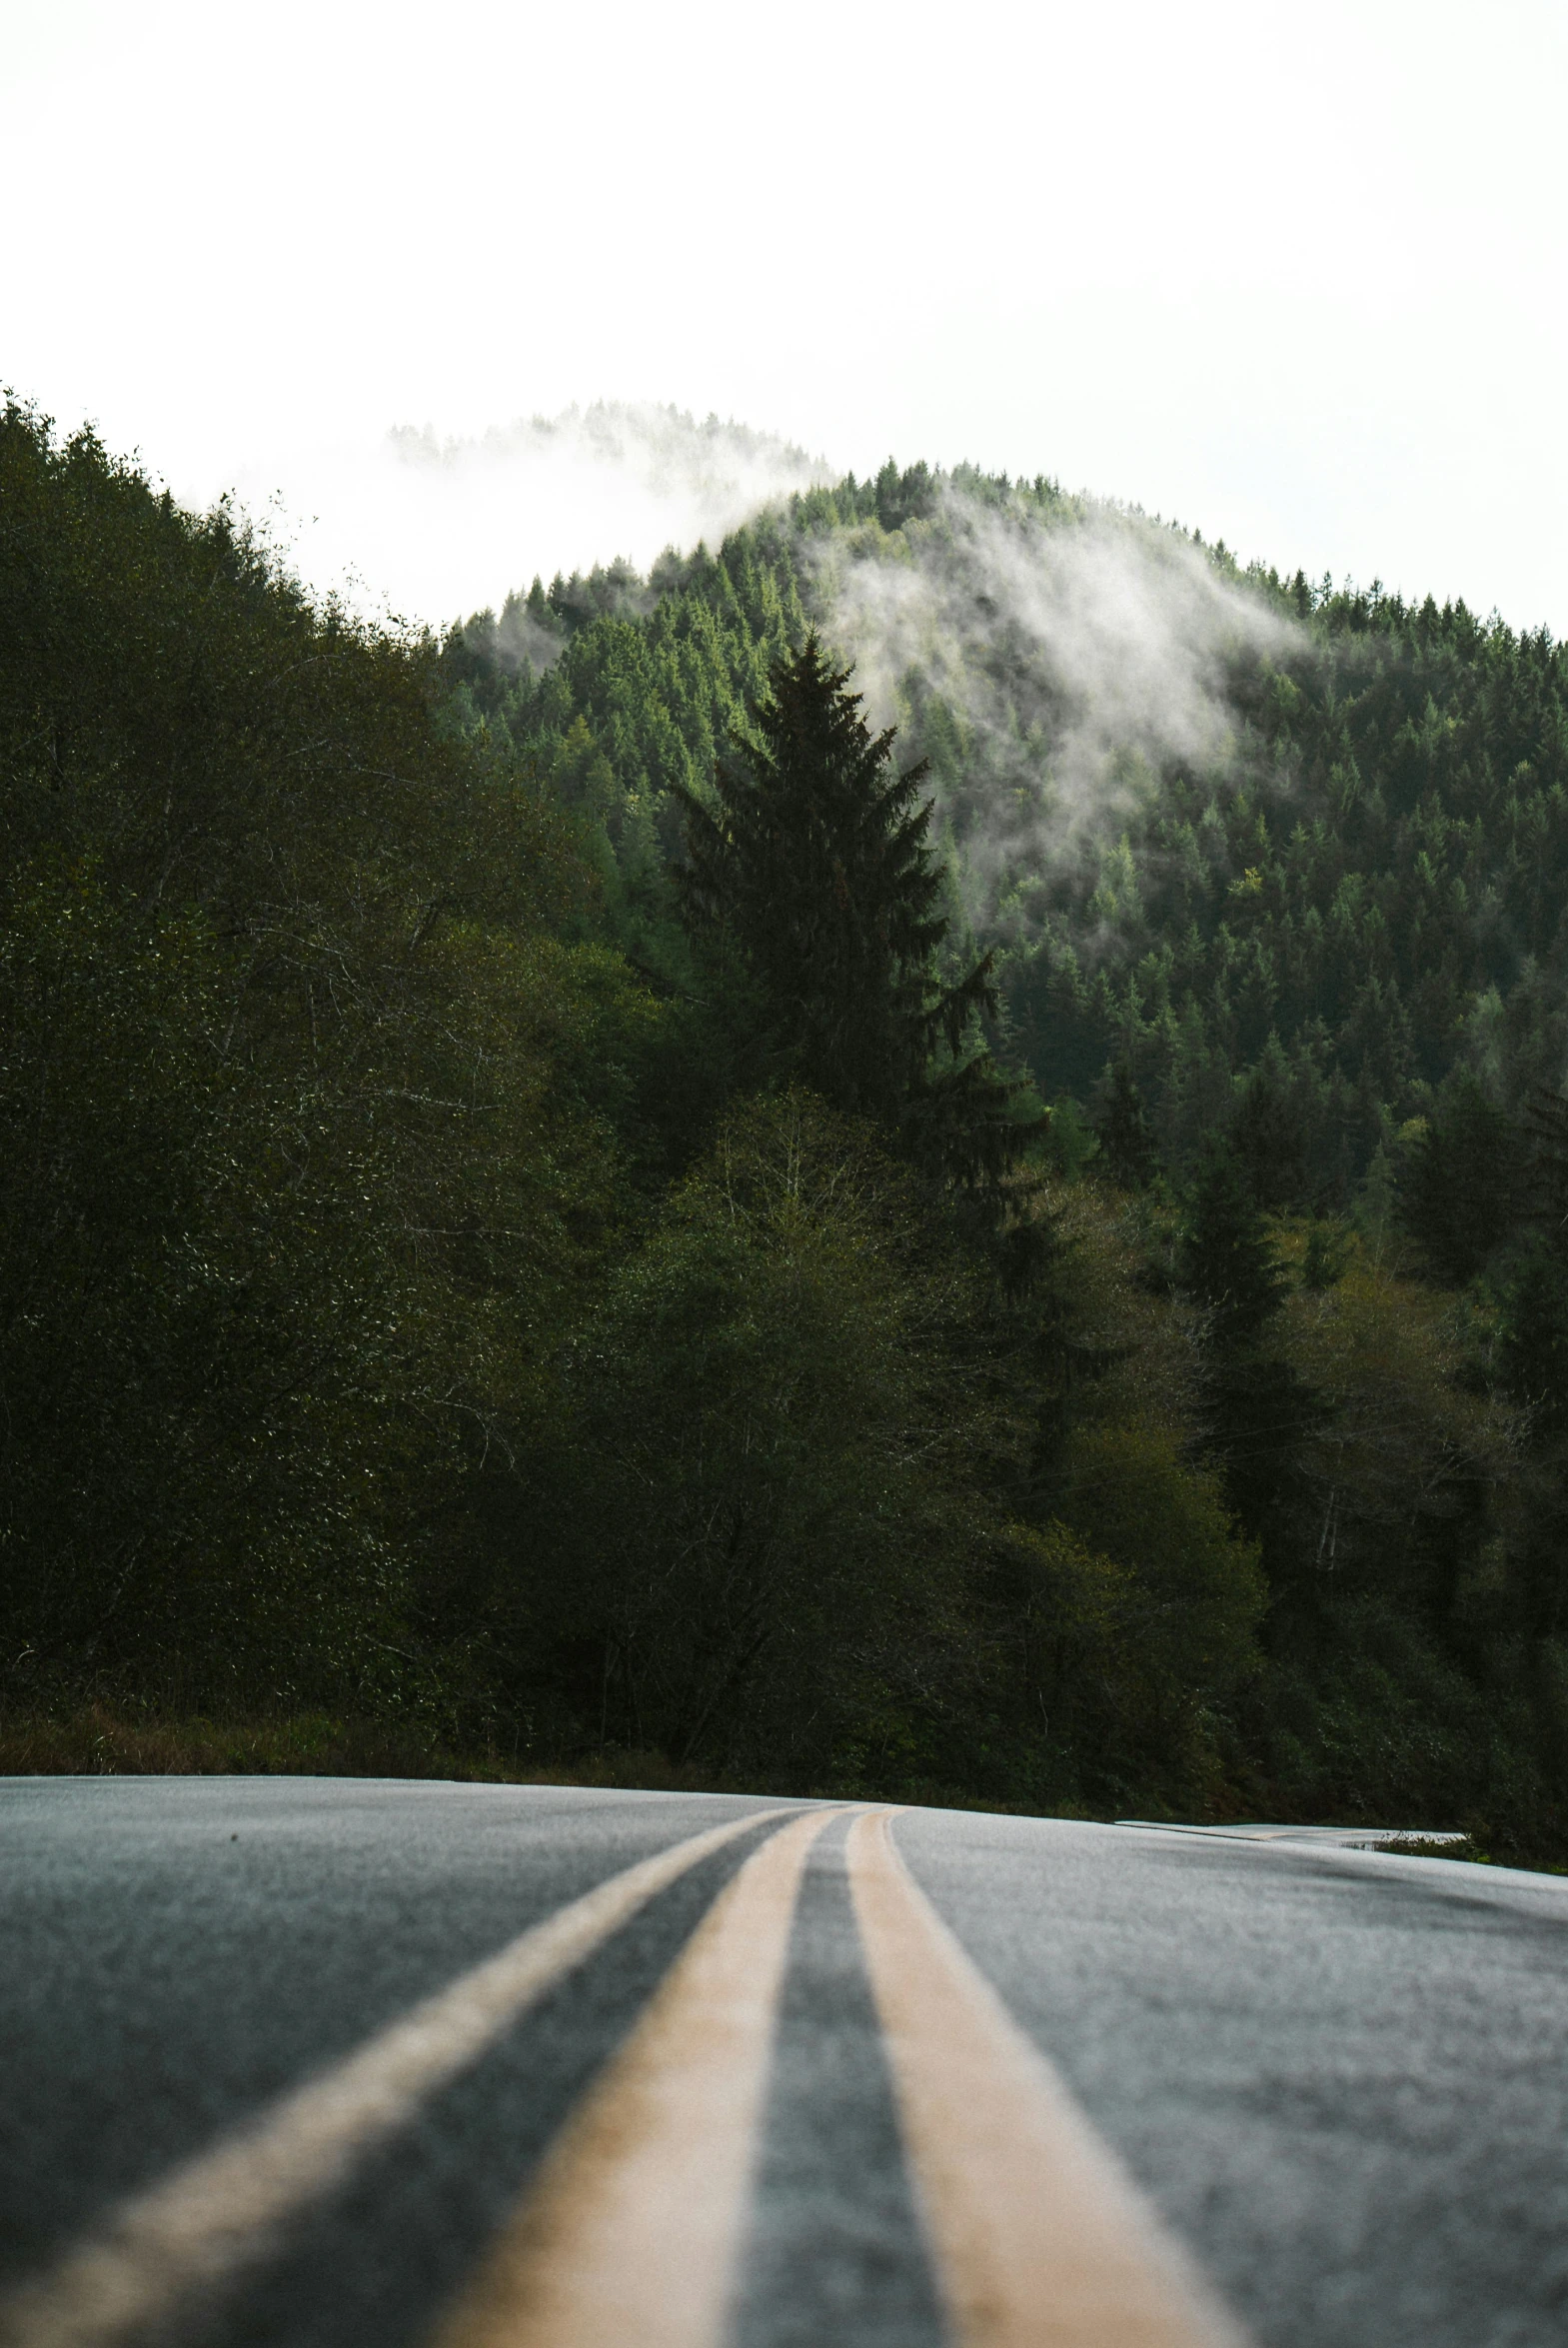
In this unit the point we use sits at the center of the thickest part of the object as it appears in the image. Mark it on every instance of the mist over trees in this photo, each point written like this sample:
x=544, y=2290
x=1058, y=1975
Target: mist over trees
x=527, y=1212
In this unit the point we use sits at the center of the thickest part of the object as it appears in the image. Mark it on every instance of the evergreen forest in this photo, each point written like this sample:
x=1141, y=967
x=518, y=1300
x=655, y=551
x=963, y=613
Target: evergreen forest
x=925, y=1154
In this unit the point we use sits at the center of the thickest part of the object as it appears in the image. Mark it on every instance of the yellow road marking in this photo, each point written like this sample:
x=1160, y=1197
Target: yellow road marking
x=1041, y=2238
x=631, y=2235
x=213, y=2214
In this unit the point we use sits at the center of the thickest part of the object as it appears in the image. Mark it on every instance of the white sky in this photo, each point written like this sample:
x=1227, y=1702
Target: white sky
x=1294, y=274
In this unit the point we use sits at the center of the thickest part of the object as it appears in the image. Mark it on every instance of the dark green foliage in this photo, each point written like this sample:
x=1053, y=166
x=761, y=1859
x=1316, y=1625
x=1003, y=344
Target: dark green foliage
x=1258, y=1409
x=1310, y=951
x=1326, y=1254
x=437, y=1286
x=1373, y=890
x=1533, y=1349
x=1258, y=1414
x=1271, y=1134
x=1533, y=1358
x=744, y=1547
x=1227, y=1261
x=283, y=1115
x=812, y=871
x=813, y=867
x=1127, y=1143
x=1365, y=896
x=1459, y=1196
x=1546, y=1181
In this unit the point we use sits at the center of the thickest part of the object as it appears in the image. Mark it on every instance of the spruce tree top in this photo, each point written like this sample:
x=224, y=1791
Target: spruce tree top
x=813, y=868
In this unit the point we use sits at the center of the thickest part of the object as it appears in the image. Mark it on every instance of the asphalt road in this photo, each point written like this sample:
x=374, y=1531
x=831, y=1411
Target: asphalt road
x=307, y=2061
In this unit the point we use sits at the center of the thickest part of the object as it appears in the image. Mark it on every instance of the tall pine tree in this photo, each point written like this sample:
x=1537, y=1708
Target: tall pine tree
x=813, y=871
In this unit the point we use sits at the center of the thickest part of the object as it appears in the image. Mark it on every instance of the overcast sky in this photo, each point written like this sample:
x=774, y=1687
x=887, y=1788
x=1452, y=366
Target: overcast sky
x=1295, y=275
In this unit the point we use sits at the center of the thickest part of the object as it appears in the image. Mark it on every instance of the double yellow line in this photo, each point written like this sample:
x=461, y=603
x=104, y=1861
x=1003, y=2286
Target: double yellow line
x=632, y=2231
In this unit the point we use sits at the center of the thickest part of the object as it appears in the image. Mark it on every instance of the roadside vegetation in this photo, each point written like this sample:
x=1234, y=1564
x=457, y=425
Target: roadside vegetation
x=549, y=1232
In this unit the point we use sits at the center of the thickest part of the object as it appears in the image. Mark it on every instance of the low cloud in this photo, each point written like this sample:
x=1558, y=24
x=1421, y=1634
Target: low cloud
x=1078, y=652
x=427, y=530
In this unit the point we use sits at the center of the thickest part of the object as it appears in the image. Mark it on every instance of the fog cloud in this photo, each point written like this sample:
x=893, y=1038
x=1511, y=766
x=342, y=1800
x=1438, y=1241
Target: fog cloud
x=1078, y=651
x=428, y=529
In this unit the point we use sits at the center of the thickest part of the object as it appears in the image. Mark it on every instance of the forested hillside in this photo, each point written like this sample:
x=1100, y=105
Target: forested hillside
x=1306, y=913
x=529, y=1214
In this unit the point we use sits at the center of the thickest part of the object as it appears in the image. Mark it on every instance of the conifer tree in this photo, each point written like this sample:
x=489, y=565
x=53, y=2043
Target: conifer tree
x=1226, y=1260
x=1268, y=1134
x=1258, y=1408
x=813, y=873
x=1533, y=1346
x=1546, y=1120
x=1127, y=1143
x=1460, y=1188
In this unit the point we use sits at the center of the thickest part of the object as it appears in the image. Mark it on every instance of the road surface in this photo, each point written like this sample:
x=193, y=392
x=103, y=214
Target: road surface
x=299, y=2061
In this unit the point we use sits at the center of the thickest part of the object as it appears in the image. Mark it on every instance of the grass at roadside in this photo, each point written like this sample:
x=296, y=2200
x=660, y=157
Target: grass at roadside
x=96, y=1740
x=104, y=1740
